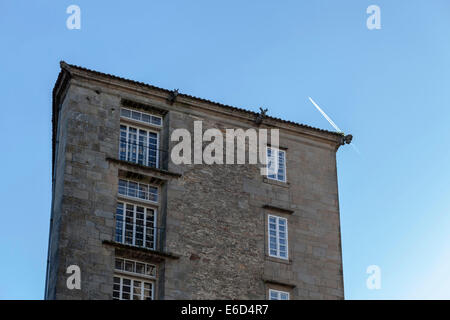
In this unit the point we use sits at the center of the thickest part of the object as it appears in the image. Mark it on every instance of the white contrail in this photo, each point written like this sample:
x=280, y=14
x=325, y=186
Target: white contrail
x=325, y=115
x=332, y=123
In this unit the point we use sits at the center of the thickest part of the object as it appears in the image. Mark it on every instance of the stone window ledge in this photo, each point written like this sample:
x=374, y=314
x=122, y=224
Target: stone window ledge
x=277, y=260
x=278, y=209
x=276, y=183
x=144, y=252
x=279, y=283
x=160, y=172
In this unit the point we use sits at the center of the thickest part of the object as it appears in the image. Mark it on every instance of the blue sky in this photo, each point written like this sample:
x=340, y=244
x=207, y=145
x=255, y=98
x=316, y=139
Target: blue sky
x=387, y=87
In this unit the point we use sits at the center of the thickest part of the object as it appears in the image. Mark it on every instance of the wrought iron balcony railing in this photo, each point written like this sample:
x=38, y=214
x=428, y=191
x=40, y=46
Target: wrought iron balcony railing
x=139, y=191
x=141, y=153
x=135, y=234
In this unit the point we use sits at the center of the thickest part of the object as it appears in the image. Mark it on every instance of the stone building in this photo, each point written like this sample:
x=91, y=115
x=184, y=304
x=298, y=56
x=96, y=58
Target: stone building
x=139, y=226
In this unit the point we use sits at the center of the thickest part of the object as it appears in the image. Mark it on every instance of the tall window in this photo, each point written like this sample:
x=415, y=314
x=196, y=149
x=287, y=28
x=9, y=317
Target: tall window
x=133, y=280
x=276, y=164
x=137, y=190
x=136, y=225
x=278, y=237
x=139, y=146
x=278, y=295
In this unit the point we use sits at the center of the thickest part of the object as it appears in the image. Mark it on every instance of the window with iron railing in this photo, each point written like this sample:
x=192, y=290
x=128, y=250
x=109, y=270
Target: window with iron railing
x=133, y=280
x=138, y=190
x=136, y=226
x=139, y=146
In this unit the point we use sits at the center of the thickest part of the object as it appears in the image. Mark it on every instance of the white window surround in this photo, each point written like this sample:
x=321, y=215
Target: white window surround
x=137, y=190
x=278, y=295
x=140, y=116
x=277, y=237
x=280, y=174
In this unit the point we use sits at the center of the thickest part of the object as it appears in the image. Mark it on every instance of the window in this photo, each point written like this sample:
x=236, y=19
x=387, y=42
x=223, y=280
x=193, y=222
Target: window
x=278, y=295
x=139, y=146
x=136, y=225
x=141, y=116
x=276, y=164
x=126, y=288
x=278, y=237
x=140, y=268
x=138, y=190
x=133, y=280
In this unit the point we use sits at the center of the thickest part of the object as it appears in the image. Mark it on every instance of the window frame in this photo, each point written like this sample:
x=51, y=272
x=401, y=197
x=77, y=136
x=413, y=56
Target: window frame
x=279, y=293
x=144, y=234
x=126, y=196
x=277, y=239
x=146, y=146
x=278, y=151
x=133, y=273
x=133, y=279
x=151, y=115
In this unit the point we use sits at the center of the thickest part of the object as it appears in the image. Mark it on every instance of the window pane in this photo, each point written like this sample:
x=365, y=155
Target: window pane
x=148, y=288
x=119, y=264
x=136, y=115
x=129, y=266
x=132, y=189
x=150, y=270
x=119, y=222
x=156, y=120
x=140, y=268
x=146, y=118
x=137, y=287
x=125, y=113
x=153, y=194
x=273, y=295
x=122, y=187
